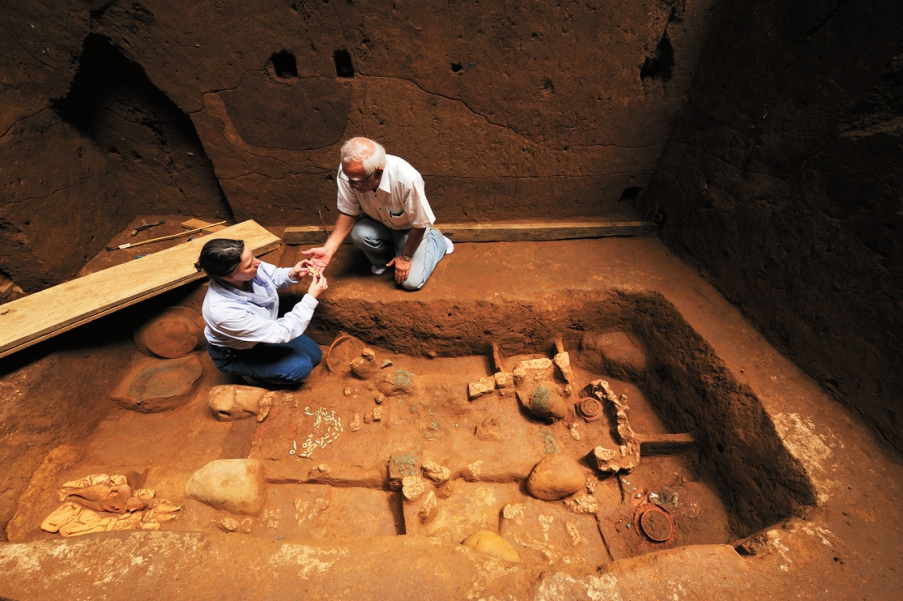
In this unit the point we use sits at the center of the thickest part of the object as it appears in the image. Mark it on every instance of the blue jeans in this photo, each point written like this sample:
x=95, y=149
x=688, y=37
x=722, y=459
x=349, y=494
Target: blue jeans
x=382, y=244
x=279, y=365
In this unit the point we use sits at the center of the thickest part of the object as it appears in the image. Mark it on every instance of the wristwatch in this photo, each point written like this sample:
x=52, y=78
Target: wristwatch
x=407, y=258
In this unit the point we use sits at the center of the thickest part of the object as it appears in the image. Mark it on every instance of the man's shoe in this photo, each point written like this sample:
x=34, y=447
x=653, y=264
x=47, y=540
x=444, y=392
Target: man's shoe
x=377, y=270
x=449, y=246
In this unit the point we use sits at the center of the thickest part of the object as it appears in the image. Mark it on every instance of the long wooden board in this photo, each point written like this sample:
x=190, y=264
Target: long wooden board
x=504, y=232
x=45, y=314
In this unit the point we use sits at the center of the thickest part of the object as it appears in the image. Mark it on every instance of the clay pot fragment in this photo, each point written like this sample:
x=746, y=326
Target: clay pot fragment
x=543, y=402
x=173, y=333
x=154, y=385
x=233, y=402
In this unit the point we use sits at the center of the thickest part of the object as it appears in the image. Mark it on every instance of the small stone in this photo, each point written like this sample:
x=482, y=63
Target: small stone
x=364, y=367
x=227, y=524
x=429, y=508
x=379, y=398
x=504, y=379
x=563, y=362
x=355, y=424
x=480, y=387
x=412, y=487
x=377, y=414
x=435, y=472
x=431, y=354
x=575, y=433
x=236, y=485
x=385, y=364
x=347, y=392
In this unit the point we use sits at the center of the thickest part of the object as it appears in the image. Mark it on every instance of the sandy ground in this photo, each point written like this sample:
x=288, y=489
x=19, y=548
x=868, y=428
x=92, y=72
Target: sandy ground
x=845, y=547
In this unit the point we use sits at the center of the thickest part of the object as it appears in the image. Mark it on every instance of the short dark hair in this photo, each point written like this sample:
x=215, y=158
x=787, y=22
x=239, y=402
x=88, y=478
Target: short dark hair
x=220, y=258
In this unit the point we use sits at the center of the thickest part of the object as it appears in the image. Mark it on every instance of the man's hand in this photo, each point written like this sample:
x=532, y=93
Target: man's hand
x=402, y=268
x=319, y=257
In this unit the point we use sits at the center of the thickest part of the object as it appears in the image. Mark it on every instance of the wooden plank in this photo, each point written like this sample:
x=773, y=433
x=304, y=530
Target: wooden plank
x=45, y=314
x=306, y=234
x=504, y=232
x=193, y=224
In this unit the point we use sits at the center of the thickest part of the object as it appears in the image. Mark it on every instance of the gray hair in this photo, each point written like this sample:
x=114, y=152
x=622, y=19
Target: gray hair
x=371, y=154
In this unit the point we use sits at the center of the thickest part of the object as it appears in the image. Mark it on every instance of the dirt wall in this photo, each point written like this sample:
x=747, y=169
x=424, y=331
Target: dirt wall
x=781, y=182
x=546, y=110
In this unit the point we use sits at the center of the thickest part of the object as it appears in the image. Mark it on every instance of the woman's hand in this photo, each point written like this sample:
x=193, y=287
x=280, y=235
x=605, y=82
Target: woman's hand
x=302, y=268
x=318, y=285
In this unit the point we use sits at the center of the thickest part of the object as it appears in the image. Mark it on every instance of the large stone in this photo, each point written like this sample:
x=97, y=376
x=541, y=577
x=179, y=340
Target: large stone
x=489, y=543
x=236, y=485
x=155, y=385
x=555, y=477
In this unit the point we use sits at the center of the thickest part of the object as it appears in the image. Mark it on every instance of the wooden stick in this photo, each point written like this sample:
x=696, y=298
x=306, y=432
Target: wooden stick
x=161, y=238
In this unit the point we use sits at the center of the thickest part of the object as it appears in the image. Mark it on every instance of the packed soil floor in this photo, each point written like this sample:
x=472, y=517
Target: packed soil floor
x=752, y=482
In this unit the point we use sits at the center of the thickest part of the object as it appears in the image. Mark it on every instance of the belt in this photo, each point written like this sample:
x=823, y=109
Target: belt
x=228, y=353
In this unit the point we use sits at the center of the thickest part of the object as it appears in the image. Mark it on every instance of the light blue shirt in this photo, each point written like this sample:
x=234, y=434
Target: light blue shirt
x=238, y=319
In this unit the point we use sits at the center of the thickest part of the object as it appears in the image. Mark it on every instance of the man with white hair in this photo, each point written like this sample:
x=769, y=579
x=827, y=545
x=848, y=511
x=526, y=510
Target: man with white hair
x=382, y=204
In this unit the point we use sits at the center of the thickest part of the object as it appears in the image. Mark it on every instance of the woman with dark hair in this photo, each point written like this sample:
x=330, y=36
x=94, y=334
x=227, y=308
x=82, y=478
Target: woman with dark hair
x=245, y=336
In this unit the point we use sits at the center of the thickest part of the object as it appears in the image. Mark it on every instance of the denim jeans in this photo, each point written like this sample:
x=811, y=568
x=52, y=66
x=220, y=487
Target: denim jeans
x=382, y=244
x=279, y=365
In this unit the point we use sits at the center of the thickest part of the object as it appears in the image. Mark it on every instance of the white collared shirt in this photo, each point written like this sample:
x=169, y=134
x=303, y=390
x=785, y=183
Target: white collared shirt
x=399, y=202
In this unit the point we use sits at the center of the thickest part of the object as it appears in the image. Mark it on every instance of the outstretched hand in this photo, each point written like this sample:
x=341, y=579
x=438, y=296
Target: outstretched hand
x=319, y=257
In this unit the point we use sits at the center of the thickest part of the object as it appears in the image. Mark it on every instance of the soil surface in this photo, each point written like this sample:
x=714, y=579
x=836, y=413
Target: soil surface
x=779, y=493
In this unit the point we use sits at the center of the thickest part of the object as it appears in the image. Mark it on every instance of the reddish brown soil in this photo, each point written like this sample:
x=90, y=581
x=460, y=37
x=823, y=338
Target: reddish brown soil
x=775, y=459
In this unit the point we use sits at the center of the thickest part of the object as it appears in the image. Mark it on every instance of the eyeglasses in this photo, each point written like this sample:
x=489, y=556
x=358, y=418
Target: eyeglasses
x=357, y=183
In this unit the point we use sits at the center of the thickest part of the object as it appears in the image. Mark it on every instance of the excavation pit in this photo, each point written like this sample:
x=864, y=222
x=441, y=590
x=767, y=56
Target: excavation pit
x=408, y=451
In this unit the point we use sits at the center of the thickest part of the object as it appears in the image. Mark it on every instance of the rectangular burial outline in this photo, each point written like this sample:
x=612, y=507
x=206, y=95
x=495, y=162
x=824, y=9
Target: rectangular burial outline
x=45, y=314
